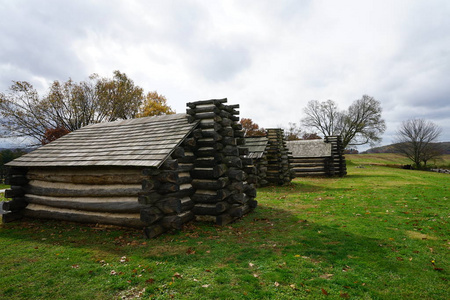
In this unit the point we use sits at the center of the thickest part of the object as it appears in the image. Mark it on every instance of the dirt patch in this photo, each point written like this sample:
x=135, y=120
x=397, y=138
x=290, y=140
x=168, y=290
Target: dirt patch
x=419, y=236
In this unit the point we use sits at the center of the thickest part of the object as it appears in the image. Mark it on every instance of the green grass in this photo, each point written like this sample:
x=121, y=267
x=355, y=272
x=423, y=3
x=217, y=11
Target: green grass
x=3, y=186
x=379, y=233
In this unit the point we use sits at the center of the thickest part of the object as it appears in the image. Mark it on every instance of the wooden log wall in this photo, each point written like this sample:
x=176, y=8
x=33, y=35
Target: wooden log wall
x=261, y=170
x=312, y=166
x=107, y=196
x=258, y=153
x=166, y=192
x=279, y=171
x=337, y=155
x=223, y=180
x=16, y=177
x=154, y=199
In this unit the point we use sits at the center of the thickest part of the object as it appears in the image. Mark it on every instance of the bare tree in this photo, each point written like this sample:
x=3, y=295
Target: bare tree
x=360, y=124
x=323, y=116
x=416, y=140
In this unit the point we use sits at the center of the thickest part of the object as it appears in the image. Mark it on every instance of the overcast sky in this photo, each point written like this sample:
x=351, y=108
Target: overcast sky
x=271, y=57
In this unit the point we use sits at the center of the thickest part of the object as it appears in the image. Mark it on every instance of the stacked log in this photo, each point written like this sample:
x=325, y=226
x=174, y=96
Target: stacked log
x=258, y=153
x=76, y=194
x=224, y=182
x=156, y=199
x=279, y=171
x=166, y=192
x=312, y=166
x=16, y=178
x=337, y=155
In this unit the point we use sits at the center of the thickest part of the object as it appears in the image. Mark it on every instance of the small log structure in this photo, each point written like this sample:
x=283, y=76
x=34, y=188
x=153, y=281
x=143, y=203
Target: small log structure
x=257, y=146
x=223, y=180
x=337, y=154
x=318, y=157
x=279, y=170
x=155, y=173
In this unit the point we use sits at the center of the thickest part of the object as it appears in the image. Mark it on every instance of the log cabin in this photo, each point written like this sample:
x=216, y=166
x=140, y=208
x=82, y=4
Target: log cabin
x=321, y=157
x=155, y=173
x=271, y=158
x=257, y=147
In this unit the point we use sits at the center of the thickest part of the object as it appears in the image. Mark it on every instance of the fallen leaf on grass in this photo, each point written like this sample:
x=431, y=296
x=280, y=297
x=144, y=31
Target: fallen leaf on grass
x=276, y=284
x=151, y=280
x=205, y=285
x=250, y=265
x=346, y=269
x=177, y=275
x=75, y=266
x=326, y=276
x=324, y=292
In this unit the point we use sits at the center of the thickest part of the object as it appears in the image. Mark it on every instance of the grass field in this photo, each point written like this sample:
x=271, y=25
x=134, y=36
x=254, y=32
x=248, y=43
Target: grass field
x=394, y=160
x=378, y=233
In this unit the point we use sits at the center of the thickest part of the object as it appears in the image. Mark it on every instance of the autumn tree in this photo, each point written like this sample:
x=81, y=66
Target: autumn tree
x=154, y=105
x=416, y=140
x=251, y=129
x=53, y=134
x=360, y=124
x=68, y=105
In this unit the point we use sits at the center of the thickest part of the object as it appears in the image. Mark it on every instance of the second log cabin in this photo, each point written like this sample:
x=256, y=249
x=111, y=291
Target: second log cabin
x=321, y=157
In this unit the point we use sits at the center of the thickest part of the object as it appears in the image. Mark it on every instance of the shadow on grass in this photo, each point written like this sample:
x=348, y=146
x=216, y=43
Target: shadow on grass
x=282, y=246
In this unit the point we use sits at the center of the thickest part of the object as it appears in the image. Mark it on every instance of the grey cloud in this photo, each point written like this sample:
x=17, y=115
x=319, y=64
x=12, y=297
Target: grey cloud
x=293, y=50
x=216, y=63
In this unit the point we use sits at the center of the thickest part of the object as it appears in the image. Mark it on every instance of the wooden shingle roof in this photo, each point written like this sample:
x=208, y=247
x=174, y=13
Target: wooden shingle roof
x=144, y=142
x=256, y=146
x=309, y=148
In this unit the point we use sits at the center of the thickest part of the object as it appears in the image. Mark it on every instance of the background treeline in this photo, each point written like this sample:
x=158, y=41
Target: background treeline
x=7, y=155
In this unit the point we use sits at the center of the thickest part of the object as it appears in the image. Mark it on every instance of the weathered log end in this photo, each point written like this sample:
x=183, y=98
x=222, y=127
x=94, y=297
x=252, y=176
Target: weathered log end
x=153, y=231
x=11, y=217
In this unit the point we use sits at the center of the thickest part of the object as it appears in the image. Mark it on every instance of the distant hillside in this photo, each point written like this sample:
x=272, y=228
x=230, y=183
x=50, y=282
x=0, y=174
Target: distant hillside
x=391, y=148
